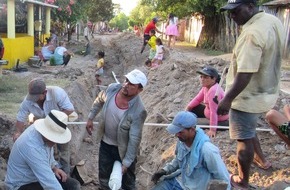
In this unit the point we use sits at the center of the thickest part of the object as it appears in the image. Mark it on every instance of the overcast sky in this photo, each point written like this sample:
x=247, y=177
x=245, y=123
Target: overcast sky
x=126, y=5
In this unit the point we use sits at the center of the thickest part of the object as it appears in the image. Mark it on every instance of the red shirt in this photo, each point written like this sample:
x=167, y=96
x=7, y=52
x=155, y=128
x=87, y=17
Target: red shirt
x=150, y=26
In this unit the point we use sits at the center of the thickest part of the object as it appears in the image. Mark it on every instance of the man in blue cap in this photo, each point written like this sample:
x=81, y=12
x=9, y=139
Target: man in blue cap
x=197, y=160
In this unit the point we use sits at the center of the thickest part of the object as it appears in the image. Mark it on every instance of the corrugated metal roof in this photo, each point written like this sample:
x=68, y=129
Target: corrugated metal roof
x=39, y=3
x=278, y=3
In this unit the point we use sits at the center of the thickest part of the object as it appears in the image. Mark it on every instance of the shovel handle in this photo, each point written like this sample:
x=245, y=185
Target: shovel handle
x=115, y=77
x=223, y=76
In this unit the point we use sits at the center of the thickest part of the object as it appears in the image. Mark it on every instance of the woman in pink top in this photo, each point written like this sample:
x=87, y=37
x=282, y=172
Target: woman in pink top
x=203, y=104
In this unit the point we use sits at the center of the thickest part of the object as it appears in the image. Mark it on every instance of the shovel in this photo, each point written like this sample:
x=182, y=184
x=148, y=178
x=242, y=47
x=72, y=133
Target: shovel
x=224, y=73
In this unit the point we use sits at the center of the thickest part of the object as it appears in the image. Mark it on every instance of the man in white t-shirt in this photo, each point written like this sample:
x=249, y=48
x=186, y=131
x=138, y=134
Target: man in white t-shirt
x=86, y=33
x=61, y=54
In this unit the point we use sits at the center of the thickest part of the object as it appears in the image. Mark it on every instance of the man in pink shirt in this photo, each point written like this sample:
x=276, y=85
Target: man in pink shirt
x=203, y=104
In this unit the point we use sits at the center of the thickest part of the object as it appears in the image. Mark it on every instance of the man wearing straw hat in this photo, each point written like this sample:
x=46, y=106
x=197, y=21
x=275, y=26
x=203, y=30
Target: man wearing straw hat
x=120, y=127
x=39, y=101
x=31, y=164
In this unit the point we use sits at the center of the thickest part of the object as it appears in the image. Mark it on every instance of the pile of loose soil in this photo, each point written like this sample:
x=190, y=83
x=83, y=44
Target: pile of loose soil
x=171, y=86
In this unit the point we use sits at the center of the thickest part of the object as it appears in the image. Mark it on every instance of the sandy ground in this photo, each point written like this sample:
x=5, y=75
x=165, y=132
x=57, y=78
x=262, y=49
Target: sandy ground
x=170, y=88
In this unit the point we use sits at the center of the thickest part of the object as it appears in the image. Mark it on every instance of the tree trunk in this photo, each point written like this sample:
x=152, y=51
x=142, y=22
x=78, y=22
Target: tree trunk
x=209, y=32
x=219, y=33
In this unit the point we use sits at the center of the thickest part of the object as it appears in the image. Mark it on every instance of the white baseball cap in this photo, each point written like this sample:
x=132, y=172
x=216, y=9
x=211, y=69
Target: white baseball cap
x=137, y=77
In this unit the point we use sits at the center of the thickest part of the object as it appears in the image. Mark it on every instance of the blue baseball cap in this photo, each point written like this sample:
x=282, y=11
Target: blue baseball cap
x=182, y=120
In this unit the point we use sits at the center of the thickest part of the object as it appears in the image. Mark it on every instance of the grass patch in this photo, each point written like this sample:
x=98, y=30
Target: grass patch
x=12, y=92
x=211, y=52
x=52, y=82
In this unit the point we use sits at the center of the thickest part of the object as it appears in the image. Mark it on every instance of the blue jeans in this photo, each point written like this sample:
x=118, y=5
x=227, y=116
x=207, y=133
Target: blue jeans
x=108, y=154
x=168, y=184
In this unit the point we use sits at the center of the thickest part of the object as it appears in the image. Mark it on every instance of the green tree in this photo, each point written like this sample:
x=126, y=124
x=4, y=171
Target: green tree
x=210, y=9
x=71, y=11
x=68, y=13
x=100, y=10
x=142, y=14
x=120, y=21
x=184, y=8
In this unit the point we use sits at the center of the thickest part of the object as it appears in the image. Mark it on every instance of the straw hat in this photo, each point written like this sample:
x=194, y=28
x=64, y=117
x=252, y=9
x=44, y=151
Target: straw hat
x=54, y=127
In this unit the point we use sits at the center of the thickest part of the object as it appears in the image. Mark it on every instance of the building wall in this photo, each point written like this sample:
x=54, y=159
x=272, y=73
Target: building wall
x=283, y=14
x=189, y=29
x=22, y=48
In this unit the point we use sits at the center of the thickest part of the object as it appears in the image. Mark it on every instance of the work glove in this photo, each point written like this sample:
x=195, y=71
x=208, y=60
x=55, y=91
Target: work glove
x=156, y=176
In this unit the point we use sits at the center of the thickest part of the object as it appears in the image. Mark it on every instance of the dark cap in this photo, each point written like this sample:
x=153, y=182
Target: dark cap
x=155, y=19
x=36, y=87
x=232, y=4
x=209, y=71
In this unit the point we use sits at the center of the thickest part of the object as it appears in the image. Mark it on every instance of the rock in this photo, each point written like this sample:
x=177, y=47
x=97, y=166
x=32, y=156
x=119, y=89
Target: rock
x=164, y=95
x=173, y=66
x=176, y=74
x=3, y=168
x=88, y=140
x=278, y=185
x=2, y=185
x=217, y=185
x=171, y=116
x=33, y=61
x=160, y=118
x=177, y=101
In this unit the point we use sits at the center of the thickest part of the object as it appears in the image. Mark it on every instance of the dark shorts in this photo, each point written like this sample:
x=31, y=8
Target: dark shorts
x=242, y=124
x=199, y=112
x=146, y=38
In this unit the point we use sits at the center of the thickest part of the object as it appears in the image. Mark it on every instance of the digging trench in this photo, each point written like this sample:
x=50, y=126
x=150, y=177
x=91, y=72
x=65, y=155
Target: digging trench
x=170, y=88
x=81, y=91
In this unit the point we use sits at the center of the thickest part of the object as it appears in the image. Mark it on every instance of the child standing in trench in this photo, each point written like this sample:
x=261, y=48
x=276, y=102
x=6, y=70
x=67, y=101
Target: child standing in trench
x=100, y=67
x=152, y=43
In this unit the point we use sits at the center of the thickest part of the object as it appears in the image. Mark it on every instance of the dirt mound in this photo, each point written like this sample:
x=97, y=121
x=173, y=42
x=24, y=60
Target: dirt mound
x=171, y=86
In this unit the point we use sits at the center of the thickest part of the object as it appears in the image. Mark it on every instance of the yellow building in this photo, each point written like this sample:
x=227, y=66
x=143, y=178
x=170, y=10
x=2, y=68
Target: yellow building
x=21, y=45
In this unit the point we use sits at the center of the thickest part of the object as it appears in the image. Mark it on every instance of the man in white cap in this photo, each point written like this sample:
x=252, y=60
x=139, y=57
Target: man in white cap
x=120, y=127
x=39, y=101
x=31, y=164
x=252, y=83
x=197, y=160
